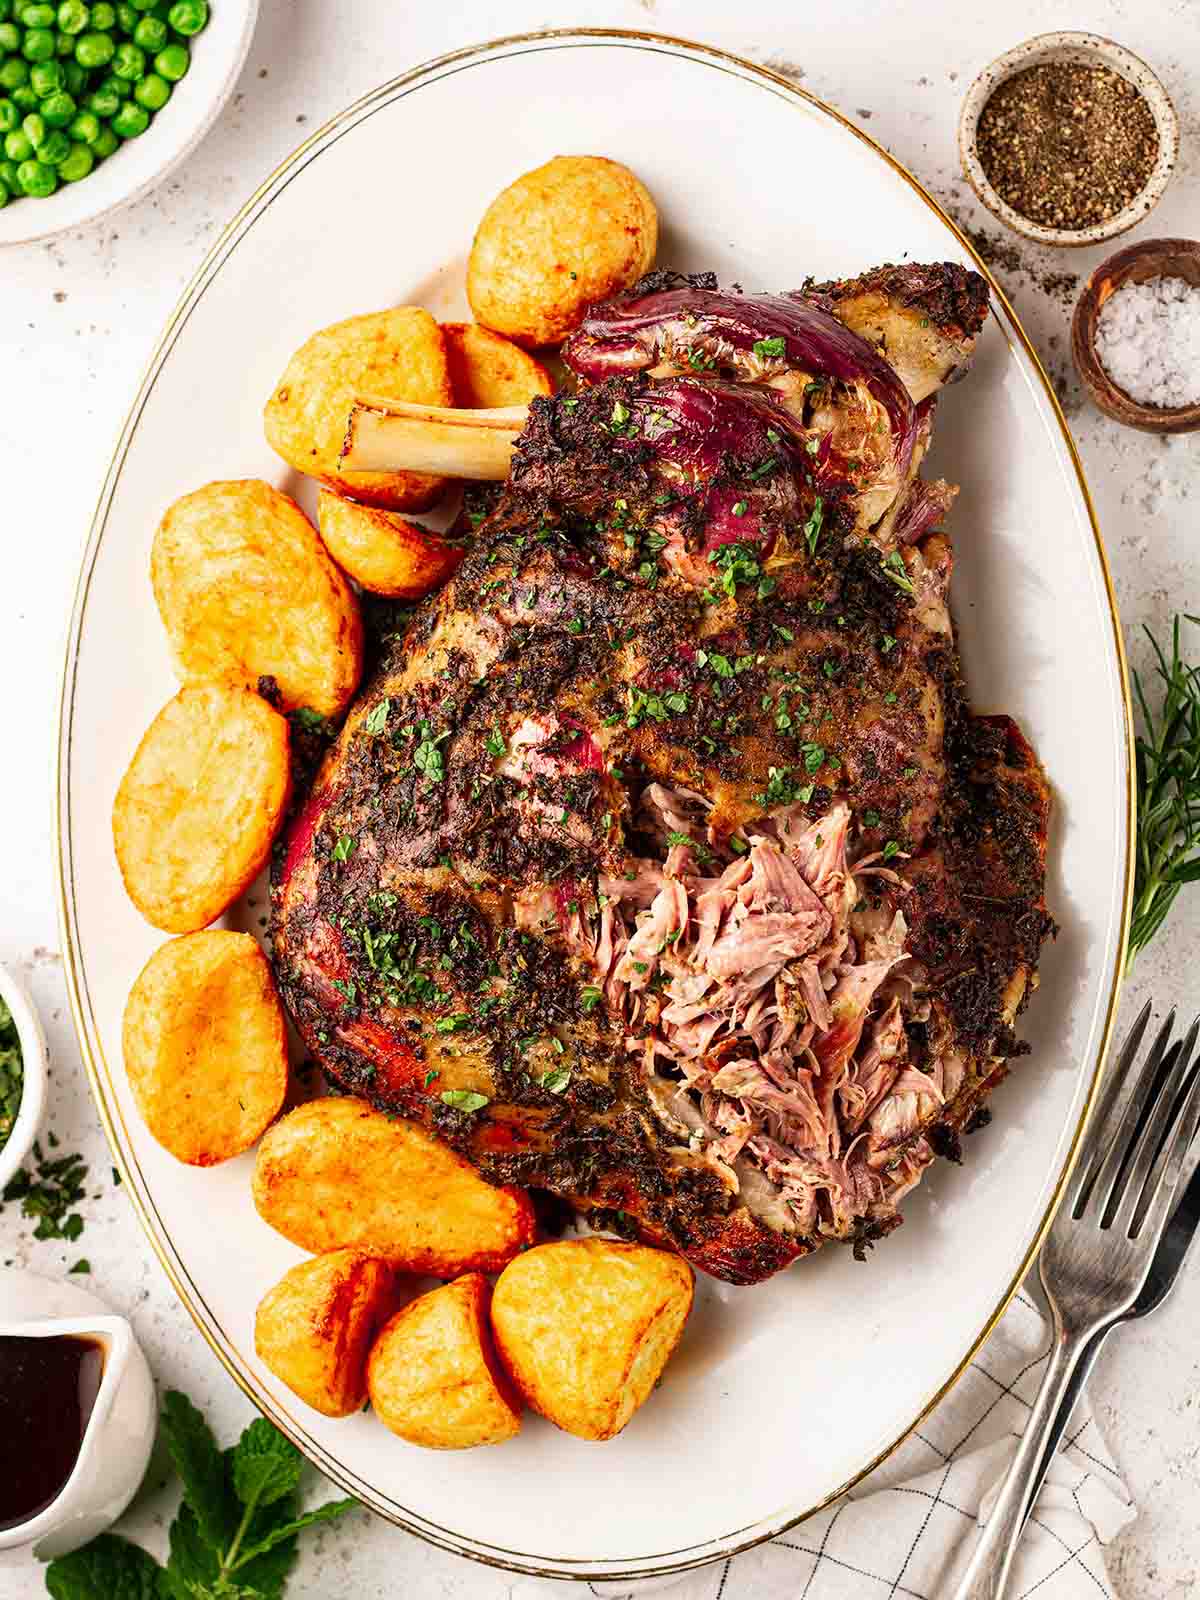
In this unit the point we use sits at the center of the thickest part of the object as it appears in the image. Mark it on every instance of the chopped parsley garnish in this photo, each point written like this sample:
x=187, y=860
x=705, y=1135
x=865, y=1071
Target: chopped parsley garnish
x=702, y=852
x=620, y=419
x=781, y=791
x=887, y=643
x=12, y=1073
x=556, y=1080
x=345, y=847
x=430, y=1076
x=894, y=568
x=495, y=743
x=590, y=997
x=890, y=849
x=739, y=508
x=452, y=1024
x=659, y=707
x=376, y=720
x=464, y=1099
x=812, y=528
x=871, y=819
x=348, y=988
x=814, y=756
x=427, y=758
x=308, y=720
x=768, y=348
x=49, y=1193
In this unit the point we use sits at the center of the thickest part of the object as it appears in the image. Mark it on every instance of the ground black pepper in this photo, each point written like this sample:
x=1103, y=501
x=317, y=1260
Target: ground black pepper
x=1067, y=145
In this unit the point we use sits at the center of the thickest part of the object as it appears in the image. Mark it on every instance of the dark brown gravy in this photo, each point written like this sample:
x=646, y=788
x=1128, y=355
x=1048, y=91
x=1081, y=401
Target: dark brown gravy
x=48, y=1387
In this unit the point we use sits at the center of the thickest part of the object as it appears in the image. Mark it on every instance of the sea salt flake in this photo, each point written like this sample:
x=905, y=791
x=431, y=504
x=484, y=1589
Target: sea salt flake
x=1148, y=341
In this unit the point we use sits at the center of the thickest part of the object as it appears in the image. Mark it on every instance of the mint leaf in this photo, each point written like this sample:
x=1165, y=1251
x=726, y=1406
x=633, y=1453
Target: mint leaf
x=194, y=1566
x=463, y=1099
x=376, y=719
x=106, y=1569
x=288, y=1530
x=264, y=1465
x=198, y=1462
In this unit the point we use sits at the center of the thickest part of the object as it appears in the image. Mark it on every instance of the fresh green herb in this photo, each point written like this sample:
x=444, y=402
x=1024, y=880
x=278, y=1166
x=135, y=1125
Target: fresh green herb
x=590, y=997
x=12, y=1073
x=739, y=508
x=785, y=634
x=49, y=1193
x=431, y=1075
x=464, y=1099
x=376, y=719
x=308, y=720
x=427, y=758
x=556, y=1080
x=234, y=1536
x=82, y=1265
x=894, y=568
x=659, y=707
x=781, y=791
x=890, y=698
x=1168, y=784
x=697, y=846
x=496, y=743
x=770, y=347
x=887, y=643
x=814, y=756
x=344, y=848
x=812, y=528
x=346, y=987
x=890, y=849
x=453, y=1023
x=871, y=819
x=620, y=418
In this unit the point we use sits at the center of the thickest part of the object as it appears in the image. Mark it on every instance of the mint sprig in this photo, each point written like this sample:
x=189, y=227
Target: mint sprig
x=234, y=1536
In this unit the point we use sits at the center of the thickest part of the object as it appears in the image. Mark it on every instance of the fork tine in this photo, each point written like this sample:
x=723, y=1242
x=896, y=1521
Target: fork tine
x=1150, y=1155
x=1115, y=1079
x=1126, y=1120
x=1175, y=1159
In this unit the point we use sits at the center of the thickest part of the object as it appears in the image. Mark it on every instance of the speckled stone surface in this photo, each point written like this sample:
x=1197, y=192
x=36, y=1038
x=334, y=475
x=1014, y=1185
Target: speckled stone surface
x=78, y=319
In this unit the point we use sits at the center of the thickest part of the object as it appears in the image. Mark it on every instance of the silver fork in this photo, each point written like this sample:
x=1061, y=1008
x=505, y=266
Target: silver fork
x=1098, y=1253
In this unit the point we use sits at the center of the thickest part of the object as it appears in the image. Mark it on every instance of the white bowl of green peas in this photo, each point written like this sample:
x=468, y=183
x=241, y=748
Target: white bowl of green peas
x=100, y=100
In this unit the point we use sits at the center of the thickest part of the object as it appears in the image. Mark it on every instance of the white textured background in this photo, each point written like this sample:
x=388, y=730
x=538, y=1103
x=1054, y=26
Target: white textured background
x=78, y=319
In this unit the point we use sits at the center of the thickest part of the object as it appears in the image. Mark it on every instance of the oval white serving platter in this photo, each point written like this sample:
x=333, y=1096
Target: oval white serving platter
x=783, y=1394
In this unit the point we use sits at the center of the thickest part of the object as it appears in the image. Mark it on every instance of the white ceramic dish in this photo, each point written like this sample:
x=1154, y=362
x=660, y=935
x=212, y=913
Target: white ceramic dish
x=120, y=1432
x=783, y=1394
x=33, y=1063
x=133, y=170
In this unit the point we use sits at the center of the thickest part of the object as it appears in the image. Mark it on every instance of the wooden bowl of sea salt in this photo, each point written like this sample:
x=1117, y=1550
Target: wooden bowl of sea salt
x=1135, y=336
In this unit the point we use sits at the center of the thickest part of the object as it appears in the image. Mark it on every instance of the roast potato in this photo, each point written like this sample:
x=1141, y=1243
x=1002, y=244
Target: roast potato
x=486, y=370
x=433, y=1376
x=246, y=589
x=397, y=355
x=200, y=804
x=336, y=1172
x=205, y=1046
x=586, y=1326
x=382, y=550
x=576, y=230
x=315, y=1328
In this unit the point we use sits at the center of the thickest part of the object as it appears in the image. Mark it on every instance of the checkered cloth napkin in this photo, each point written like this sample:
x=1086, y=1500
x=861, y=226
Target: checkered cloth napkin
x=908, y=1530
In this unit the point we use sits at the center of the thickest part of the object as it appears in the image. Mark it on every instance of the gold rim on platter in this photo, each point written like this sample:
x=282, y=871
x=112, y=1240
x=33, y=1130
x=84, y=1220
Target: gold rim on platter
x=730, y=1543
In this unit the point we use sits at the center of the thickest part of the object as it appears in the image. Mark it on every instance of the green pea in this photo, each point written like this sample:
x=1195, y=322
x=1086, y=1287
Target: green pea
x=152, y=92
x=94, y=50
x=38, y=44
x=105, y=144
x=172, y=62
x=24, y=98
x=129, y=62
x=85, y=127
x=188, y=16
x=18, y=146
x=34, y=127
x=74, y=78
x=59, y=109
x=46, y=78
x=38, y=16
x=104, y=17
x=131, y=120
x=6, y=10
x=143, y=5
x=127, y=17
x=54, y=148
x=64, y=45
x=78, y=164
x=8, y=176
x=37, y=179
x=73, y=16
x=3, y=196
x=151, y=34
x=9, y=116
x=10, y=36
x=13, y=73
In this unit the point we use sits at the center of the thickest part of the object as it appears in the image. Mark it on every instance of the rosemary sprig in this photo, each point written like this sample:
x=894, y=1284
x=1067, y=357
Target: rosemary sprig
x=1168, y=781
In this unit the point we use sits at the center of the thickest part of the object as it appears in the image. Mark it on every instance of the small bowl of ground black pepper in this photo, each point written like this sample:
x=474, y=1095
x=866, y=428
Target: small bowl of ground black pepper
x=22, y=1075
x=1069, y=138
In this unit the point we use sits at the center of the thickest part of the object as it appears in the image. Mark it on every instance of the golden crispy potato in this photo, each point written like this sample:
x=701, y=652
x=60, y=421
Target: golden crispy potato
x=245, y=588
x=205, y=1046
x=433, y=1376
x=586, y=1326
x=574, y=231
x=396, y=355
x=336, y=1172
x=200, y=804
x=315, y=1328
x=486, y=370
x=382, y=551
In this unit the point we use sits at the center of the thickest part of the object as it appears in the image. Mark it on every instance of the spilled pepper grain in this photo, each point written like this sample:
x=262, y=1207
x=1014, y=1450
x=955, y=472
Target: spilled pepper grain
x=1067, y=145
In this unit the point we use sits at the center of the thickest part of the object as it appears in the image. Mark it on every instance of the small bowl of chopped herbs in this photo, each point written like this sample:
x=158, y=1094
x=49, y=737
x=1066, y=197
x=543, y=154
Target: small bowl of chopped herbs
x=22, y=1075
x=99, y=100
x=1069, y=138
